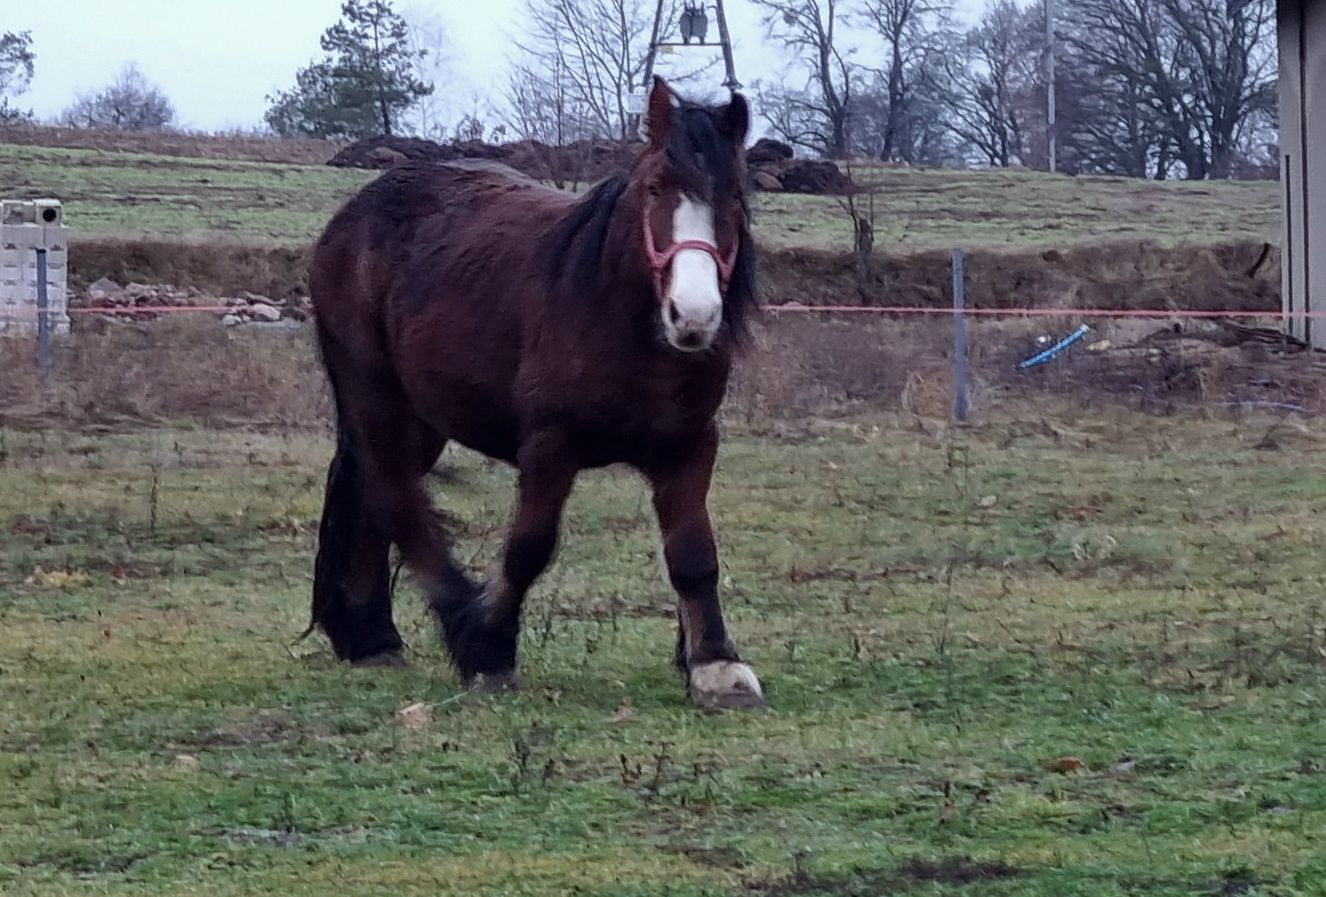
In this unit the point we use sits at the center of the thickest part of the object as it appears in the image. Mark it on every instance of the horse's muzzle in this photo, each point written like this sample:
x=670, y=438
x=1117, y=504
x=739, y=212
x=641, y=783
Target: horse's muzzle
x=691, y=333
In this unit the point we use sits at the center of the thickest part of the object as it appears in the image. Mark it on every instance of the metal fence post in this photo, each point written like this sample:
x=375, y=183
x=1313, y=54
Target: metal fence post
x=959, y=338
x=43, y=320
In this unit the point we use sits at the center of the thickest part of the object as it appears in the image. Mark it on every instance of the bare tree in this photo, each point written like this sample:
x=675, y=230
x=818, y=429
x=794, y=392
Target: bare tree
x=1204, y=69
x=995, y=85
x=542, y=105
x=595, y=50
x=426, y=39
x=817, y=115
x=915, y=34
x=130, y=102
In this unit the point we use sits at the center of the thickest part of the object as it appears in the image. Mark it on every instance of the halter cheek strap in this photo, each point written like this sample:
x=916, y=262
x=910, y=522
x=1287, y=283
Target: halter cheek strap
x=659, y=261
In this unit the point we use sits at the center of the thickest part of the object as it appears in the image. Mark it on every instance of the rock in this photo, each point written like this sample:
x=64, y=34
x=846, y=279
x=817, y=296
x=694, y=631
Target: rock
x=253, y=297
x=104, y=292
x=261, y=311
x=186, y=761
x=763, y=180
x=232, y=320
x=138, y=291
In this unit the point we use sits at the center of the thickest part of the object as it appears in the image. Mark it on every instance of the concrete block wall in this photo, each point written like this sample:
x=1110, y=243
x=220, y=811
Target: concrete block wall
x=26, y=226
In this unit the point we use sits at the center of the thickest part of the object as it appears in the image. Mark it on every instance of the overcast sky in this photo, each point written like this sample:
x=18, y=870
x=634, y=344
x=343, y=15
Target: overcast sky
x=218, y=59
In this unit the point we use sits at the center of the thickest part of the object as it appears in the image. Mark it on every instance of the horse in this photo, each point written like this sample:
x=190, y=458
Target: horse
x=556, y=333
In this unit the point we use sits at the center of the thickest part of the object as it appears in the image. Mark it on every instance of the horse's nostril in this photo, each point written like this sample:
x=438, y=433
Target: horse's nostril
x=673, y=315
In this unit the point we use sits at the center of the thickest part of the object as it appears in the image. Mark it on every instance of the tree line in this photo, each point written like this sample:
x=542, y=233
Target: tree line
x=129, y=102
x=1143, y=88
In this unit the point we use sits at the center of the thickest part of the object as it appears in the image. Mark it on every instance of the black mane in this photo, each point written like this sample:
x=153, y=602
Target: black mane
x=699, y=154
x=577, y=242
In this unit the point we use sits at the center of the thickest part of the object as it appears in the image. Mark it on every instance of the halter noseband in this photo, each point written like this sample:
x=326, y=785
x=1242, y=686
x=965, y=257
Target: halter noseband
x=659, y=261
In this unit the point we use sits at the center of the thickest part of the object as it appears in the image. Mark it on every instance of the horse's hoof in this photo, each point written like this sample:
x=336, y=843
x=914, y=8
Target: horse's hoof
x=389, y=659
x=494, y=683
x=726, y=685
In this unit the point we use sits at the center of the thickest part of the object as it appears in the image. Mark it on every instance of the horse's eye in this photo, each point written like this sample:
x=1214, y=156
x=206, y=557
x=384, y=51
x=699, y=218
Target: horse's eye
x=655, y=190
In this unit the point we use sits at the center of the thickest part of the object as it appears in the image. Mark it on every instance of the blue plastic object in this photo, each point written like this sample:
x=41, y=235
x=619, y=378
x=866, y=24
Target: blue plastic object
x=1042, y=357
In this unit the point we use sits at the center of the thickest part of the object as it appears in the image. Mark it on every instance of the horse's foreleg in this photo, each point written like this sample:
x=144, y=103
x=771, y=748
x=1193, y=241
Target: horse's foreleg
x=482, y=637
x=715, y=676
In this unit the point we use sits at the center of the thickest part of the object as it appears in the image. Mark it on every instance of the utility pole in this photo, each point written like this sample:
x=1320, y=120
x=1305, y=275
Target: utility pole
x=731, y=83
x=648, y=81
x=1051, y=117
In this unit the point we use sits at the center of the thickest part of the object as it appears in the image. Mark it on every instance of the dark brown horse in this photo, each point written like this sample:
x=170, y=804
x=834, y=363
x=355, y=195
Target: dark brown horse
x=557, y=333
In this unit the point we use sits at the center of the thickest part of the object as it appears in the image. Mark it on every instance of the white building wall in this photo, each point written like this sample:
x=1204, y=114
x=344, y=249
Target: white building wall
x=1302, y=37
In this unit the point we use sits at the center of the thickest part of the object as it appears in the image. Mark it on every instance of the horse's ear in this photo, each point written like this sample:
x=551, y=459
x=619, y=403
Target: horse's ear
x=736, y=119
x=658, y=113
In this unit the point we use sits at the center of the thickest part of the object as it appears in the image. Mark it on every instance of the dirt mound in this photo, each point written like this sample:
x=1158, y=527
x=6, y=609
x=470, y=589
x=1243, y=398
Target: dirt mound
x=1119, y=274
x=809, y=176
x=770, y=163
x=384, y=152
x=584, y=160
x=238, y=147
x=767, y=151
x=1128, y=275
x=773, y=168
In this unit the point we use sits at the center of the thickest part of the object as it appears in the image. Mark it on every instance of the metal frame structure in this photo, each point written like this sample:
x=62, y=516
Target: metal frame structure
x=724, y=42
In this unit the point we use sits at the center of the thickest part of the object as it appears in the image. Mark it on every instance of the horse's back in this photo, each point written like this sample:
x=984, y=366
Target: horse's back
x=431, y=273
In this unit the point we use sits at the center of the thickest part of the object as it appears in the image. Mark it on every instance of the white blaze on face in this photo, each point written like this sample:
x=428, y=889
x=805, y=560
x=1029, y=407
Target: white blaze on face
x=695, y=301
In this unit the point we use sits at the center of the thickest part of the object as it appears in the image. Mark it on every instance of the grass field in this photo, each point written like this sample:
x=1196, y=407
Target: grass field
x=128, y=195
x=940, y=617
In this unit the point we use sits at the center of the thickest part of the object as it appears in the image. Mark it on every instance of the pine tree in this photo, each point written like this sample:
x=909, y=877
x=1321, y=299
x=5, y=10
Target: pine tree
x=16, y=68
x=364, y=84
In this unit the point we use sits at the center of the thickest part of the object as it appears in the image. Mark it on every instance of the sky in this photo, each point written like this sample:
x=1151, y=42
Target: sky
x=218, y=59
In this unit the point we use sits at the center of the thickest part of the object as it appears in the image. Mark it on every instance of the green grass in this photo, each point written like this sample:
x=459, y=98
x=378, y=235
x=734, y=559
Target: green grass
x=934, y=618
x=127, y=194
x=1018, y=209
x=130, y=194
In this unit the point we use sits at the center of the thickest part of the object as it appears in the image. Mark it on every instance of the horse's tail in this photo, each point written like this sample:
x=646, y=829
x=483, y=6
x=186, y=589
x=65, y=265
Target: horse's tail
x=342, y=507
x=349, y=547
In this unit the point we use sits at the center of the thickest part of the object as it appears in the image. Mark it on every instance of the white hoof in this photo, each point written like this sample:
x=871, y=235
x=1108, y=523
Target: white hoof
x=726, y=685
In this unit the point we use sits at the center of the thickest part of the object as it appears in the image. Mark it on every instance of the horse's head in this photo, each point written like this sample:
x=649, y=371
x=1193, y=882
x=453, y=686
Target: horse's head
x=691, y=178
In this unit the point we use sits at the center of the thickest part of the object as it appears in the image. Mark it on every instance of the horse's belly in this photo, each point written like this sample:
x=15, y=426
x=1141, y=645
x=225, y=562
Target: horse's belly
x=476, y=417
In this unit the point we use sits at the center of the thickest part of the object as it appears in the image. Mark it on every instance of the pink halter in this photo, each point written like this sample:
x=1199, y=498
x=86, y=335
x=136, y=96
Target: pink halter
x=659, y=261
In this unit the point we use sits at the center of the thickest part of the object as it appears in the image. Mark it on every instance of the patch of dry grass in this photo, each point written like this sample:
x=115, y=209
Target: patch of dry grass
x=802, y=368
x=182, y=368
